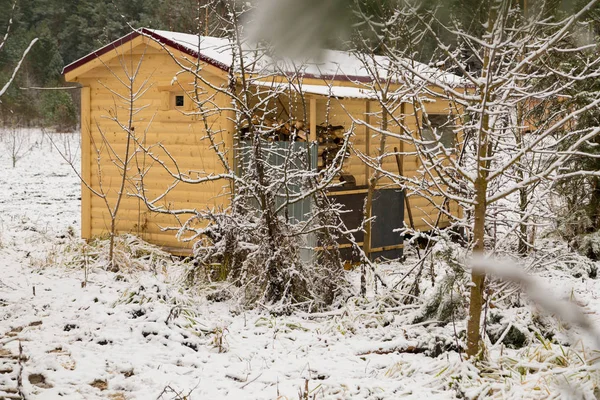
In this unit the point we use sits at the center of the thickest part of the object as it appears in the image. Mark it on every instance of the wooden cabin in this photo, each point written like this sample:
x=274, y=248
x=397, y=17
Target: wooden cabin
x=334, y=95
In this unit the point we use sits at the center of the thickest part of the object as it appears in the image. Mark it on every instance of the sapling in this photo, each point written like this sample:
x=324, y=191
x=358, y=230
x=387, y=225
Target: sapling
x=127, y=94
x=496, y=155
x=17, y=143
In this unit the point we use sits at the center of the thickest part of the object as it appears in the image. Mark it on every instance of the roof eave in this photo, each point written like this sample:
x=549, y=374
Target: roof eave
x=132, y=35
x=166, y=42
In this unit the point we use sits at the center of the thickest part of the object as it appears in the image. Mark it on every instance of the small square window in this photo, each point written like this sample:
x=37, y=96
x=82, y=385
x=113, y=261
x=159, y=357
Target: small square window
x=178, y=101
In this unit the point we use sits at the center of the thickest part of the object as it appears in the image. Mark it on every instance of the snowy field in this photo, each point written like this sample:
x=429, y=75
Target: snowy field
x=136, y=335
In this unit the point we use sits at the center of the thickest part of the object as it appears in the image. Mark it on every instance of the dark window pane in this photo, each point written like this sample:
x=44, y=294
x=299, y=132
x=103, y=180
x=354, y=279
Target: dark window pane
x=178, y=101
x=444, y=131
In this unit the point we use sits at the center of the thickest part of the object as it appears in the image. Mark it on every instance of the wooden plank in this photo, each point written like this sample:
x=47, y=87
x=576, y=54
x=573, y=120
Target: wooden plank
x=343, y=192
x=165, y=101
x=429, y=213
x=160, y=239
x=86, y=194
x=157, y=218
x=341, y=246
x=178, y=251
x=182, y=134
x=313, y=119
x=156, y=176
x=386, y=248
x=102, y=60
x=148, y=226
x=195, y=157
x=202, y=201
x=136, y=47
x=128, y=222
x=367, y=138
x=421, y=201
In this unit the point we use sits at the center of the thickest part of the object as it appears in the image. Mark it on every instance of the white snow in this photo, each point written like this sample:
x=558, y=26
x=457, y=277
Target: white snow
x=326, y=90
x=331, y=65
x=136, y=335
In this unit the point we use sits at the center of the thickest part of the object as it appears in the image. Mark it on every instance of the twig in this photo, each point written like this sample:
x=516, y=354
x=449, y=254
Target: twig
x=20, y=376
x=247, y=383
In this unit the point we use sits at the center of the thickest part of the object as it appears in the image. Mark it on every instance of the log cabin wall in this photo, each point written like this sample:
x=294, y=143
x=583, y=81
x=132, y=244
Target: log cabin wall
x=341, y=112
x=425, y=210
x=159, y=118
x=345, y=112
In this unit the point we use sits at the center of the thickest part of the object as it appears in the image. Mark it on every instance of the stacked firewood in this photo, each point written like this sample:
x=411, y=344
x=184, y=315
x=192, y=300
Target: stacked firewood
x=330, y=139
x=292, y=129
x=279, y=130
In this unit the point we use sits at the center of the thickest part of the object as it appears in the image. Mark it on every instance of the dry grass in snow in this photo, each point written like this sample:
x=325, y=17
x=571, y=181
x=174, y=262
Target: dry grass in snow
x=138, y=334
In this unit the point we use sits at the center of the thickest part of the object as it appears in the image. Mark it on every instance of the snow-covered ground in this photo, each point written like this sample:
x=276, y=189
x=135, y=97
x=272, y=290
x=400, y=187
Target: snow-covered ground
x=136, y=335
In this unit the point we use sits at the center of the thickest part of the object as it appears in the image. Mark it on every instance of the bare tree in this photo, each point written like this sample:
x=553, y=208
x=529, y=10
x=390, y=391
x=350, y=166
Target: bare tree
x=18, y=66
x=491, y=153
x=384, y=89
x=17, y=143
x=127, y=90
x=263, y=245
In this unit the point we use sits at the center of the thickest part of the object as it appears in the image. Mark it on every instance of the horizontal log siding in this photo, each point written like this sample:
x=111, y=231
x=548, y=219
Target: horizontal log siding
x=425, y=211
x=183, y=137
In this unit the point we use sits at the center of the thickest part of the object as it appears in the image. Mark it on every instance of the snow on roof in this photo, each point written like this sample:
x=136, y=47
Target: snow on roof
x=326, y=90
x=332, y=64
x=217, y=49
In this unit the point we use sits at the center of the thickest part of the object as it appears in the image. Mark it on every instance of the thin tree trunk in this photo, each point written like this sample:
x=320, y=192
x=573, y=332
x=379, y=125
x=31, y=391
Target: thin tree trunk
x=594, y=206
x=368, y=210
x=484, y=151
x=276, y=288
x=477, y=278
x=373, y=180
x=523, y=245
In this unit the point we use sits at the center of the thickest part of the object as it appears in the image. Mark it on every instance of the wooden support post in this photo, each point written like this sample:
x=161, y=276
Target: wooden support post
x=230, y=139
x=313, y=119
x=400, y=163
x=371, y=181
x=86, y=154
x=367, y=139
